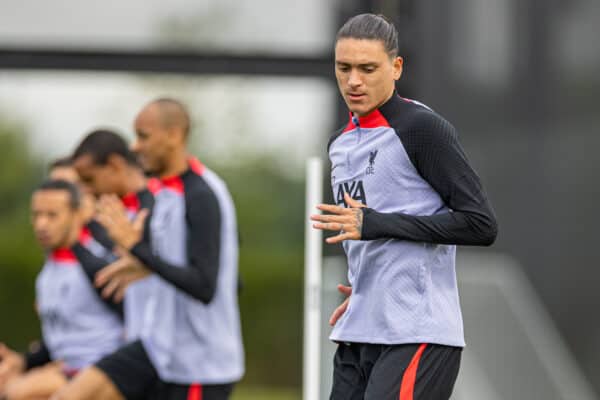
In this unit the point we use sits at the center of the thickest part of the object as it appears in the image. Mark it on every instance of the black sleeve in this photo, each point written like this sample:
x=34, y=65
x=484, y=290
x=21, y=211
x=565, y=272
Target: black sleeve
x=199, y=277
x=37, y=355
x=91, y=264
x=434, y=149
x=100, y=234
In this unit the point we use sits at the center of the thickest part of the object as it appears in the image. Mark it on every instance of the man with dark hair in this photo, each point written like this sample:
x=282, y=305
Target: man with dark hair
x=405, y=196
x=190, y=345
x=110, y=171
x=62, y=169
x=78, y=327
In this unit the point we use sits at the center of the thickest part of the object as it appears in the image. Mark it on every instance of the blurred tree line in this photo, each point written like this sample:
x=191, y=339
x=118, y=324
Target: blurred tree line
x=271, y=257
x=20, y=258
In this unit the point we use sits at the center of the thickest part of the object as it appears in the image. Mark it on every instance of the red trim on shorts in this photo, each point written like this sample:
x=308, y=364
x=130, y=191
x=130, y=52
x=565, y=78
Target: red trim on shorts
x=407, y=388
x=195, y=392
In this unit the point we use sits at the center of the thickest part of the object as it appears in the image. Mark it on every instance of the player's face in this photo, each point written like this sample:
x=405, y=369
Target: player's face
x=97, y=179
x=69, y=174
x=64, y=174
x=365, y=73
x=52, y=218
x=154, y=143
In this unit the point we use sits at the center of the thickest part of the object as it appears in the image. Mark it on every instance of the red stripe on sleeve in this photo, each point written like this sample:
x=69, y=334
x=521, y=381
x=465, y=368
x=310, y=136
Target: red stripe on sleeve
x=407, y=388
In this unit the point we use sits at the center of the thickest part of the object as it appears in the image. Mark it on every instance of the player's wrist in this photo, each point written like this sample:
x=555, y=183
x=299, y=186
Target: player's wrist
x=129, y=242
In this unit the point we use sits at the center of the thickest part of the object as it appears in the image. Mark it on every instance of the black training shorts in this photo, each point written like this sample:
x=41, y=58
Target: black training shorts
x=394, y=372
x=132, y=372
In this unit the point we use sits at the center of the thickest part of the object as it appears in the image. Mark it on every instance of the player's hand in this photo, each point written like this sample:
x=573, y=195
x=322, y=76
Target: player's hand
x=341, y=309
x=112, y=215
x=116, y=277
x=11, y=364
x=347, y=220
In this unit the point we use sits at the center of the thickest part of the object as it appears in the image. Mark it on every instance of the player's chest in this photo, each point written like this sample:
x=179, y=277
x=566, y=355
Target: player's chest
x=64, y=288
x=368, y=165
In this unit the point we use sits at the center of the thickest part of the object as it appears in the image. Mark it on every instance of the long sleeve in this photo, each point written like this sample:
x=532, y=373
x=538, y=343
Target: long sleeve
x=91, y=264
x=199, y=277
x=434, y=149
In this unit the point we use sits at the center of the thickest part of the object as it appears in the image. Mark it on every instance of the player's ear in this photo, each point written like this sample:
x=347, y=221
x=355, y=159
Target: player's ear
x=176, y=135
x=397, y=65
x=116, y=162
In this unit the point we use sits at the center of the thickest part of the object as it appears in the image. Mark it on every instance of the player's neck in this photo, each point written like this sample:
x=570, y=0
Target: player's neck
x=177, y=165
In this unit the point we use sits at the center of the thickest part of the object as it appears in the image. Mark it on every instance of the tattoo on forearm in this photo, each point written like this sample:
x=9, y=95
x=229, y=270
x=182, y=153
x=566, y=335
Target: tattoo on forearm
x=359, y=220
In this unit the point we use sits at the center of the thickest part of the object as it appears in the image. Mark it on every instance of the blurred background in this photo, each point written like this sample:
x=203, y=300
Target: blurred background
x=518, y=78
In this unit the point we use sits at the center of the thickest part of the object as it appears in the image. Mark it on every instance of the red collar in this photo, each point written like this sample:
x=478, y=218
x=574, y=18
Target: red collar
x=63, y=255
x=373, y=120
x=131, y=202
x=176, y=182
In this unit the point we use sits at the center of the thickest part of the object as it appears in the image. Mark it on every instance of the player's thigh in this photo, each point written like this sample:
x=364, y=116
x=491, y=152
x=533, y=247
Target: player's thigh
x=349, y=381
x=89, y=384
x=130, y=370
x=414, y=372
x=38, y=383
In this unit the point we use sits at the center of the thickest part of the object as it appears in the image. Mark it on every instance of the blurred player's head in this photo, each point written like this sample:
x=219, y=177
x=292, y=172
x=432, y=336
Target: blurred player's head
x=161, y=128
x=62, y=169
x=103, y=161
x=55, y=213
x=367, y=64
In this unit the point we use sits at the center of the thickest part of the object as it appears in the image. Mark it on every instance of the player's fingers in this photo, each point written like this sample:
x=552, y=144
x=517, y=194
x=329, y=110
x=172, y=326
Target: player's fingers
x=341, y=237
x=110, y=205
x=331, y=208
x=105, y=220
x=120, y=293
x=111, y=287
x=351, y=202
x=110, y=271
x=338, y=312
x=140, y=219
x=330, y=226
x=343, y=219
x=345, y=290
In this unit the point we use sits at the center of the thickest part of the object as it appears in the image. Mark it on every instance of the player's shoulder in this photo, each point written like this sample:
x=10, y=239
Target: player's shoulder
x=336, y=135
x=415, y=120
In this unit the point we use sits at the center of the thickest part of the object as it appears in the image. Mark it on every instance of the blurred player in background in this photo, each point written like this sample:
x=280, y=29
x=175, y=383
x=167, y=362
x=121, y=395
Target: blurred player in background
x=190, y=347
x=78, y=327
x=405, y=196
x=62, y=169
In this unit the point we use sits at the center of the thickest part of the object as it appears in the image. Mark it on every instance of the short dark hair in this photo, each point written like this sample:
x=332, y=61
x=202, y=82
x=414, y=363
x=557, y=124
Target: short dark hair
x=59, y=184
x=371, y=27
x=101, y=144
x=60, y=163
